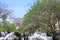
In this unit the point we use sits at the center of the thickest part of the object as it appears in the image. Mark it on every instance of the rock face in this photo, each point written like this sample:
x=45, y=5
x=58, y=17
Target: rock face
x=39, y=36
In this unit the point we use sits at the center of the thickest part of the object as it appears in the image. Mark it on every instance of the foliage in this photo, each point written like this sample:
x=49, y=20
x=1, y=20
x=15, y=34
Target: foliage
x=7, y=27
x=43, y=16
x=4, y=14
x=20, y=29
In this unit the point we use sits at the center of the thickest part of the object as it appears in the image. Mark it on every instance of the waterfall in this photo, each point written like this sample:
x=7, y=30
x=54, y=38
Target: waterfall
x=39, y=36
x=9, y=36
x=3, y=34
x=35, y=36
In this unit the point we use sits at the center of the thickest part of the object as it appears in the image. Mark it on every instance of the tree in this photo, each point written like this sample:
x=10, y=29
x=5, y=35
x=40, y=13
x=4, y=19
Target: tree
x=20, y=29
x=9, y=27
x=4, y=12
x=43, y=16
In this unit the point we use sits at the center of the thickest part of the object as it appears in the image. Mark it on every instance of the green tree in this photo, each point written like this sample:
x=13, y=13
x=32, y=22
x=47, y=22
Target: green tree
x=20, y=29
x=4, y=15
x=10, y=27
x=43, y=16
x=4, y=12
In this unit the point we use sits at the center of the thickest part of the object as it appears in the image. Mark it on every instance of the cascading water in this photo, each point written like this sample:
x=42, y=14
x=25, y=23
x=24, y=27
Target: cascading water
x=2, y=35
x=35, y=36
x=9, y=36
x=39, y=36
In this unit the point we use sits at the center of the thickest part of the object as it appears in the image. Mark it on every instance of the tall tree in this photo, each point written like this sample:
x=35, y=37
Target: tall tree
x=43, y=15
x=4, y=12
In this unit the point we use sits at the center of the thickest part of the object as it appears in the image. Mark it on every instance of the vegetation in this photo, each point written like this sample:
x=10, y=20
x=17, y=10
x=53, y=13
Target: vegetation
x=43, y=16
x=4, y=15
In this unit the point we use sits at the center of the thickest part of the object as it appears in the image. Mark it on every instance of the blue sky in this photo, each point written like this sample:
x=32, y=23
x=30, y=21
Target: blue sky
x=20, y=7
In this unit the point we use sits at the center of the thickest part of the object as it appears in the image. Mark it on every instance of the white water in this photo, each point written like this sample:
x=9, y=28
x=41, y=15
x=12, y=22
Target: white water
x=39, y=36
x=35, y=36
x=9, y=36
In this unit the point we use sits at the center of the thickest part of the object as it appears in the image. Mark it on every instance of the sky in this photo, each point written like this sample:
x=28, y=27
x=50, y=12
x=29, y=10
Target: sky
x=20, y=7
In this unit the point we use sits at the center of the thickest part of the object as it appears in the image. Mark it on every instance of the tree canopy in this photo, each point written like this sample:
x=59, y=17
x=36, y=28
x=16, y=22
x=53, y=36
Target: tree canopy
x=43, y=15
